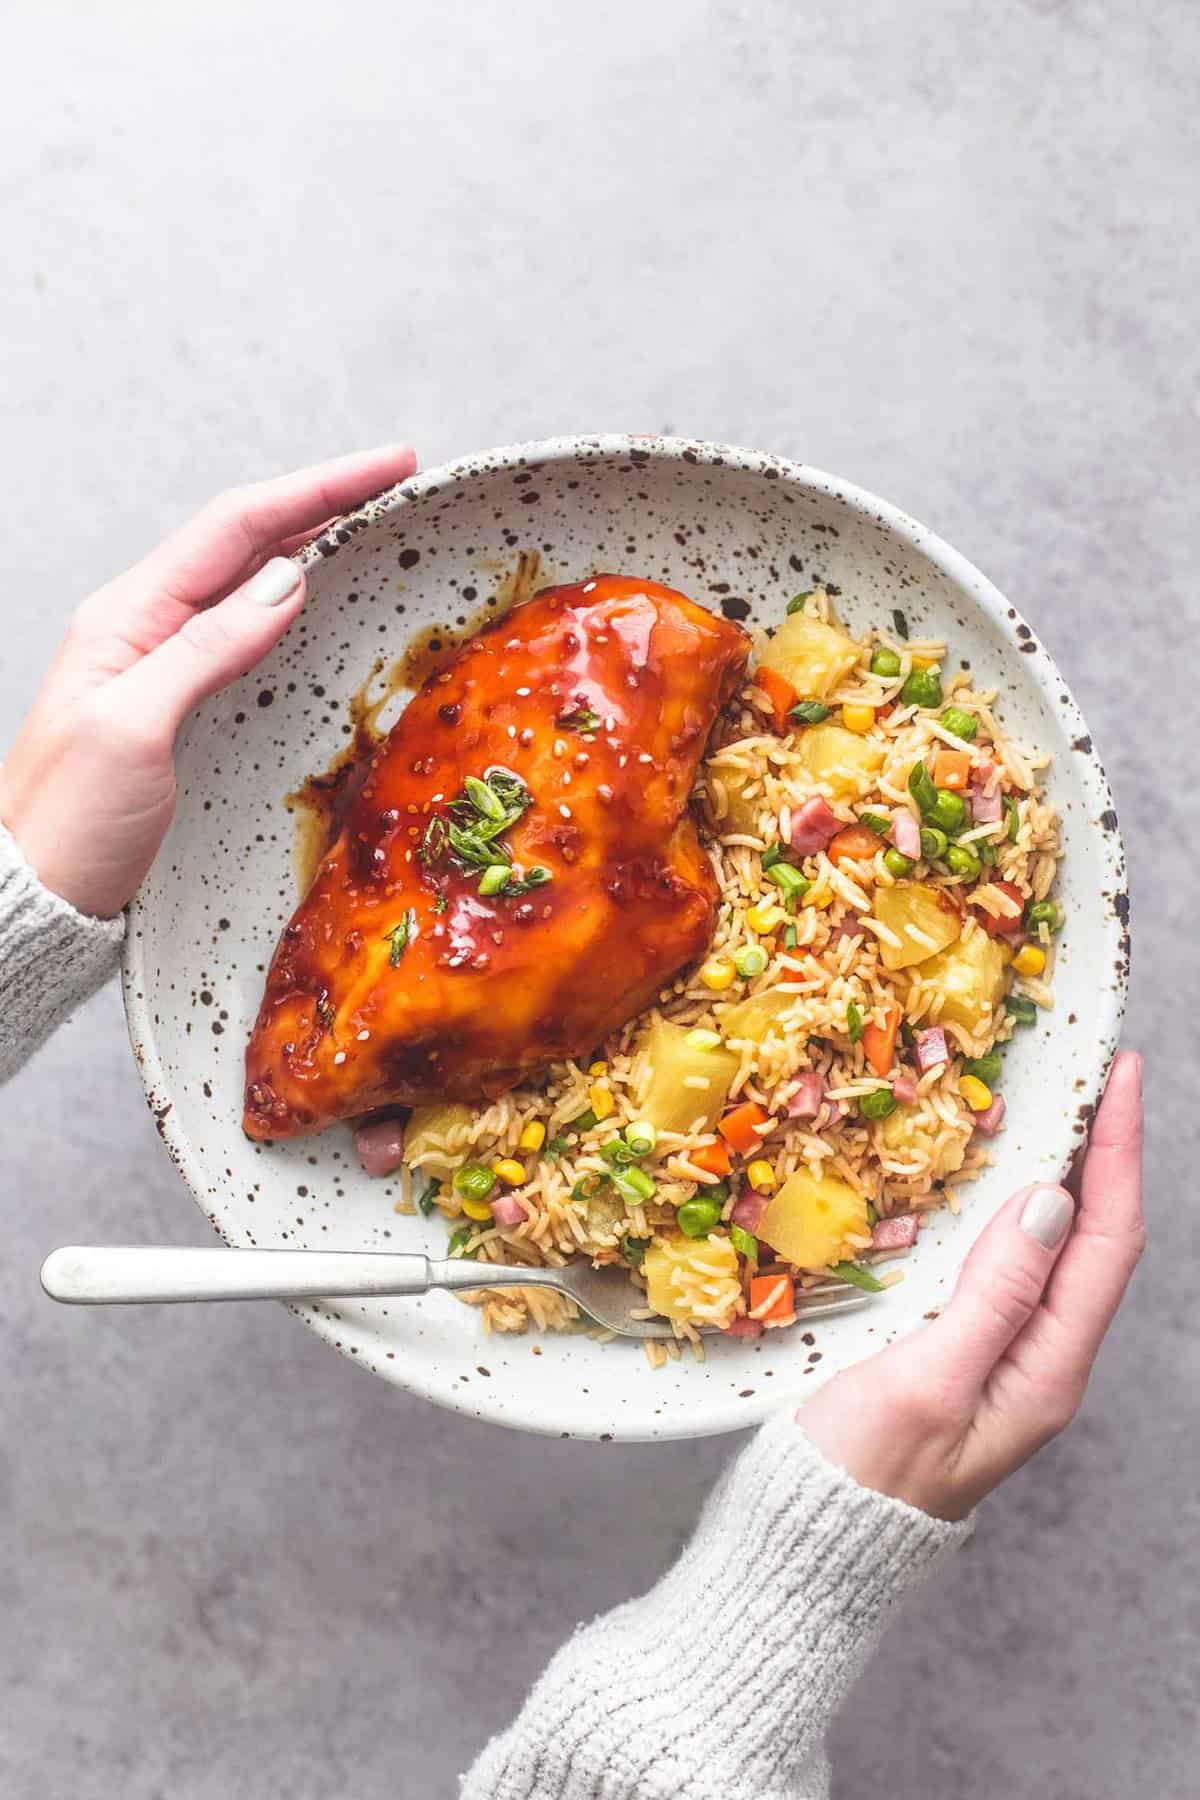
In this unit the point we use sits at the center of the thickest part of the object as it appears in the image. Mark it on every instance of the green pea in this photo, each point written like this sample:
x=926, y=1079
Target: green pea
x=697, y=1217
x=750, y=960
x=923, y=688
x=984, y=1068
x=896, y=863
x=878, y=1104
x=1022, y=1010
x=809, y=712
x=797, y=601
x=885, y=662
x=474, y=1182
x=961, y=723
x=1046, y=912
x=934, y=843
x=920, y=786
x=948, y=812
x=962, y=860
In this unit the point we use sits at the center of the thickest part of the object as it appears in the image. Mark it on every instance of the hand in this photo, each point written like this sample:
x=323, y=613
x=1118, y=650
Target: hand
x=88, y=788
x=941, y=1418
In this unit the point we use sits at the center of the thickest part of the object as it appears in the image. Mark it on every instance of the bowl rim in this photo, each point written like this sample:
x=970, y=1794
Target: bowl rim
x=714, y=1415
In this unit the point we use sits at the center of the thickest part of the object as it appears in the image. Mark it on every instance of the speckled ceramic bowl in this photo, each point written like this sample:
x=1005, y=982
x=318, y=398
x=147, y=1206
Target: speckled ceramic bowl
x=735, y=529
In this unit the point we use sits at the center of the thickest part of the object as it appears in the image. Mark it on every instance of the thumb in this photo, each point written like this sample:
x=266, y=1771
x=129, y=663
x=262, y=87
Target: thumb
x=1001, y=1284
x=210, y=649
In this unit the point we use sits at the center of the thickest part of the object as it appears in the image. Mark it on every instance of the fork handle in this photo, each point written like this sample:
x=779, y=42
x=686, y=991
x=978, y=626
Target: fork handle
x=129, y=1274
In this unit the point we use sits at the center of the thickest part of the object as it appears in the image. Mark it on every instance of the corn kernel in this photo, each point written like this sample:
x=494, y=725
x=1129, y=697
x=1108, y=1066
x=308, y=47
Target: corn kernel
x=924, y=662
x=858, y=718
x=533, y=1136
x=1029, y=960
x=510, y=1171
x=764, y=918
x=479, y=1210
x=603, y=1104
x=718, y=974
x=761, y=1177
x=598, y=1068
x=976, y=1093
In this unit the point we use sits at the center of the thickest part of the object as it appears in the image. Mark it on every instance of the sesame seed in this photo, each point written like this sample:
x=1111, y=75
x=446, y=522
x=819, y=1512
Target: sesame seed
x=588, y=586
x=622, y=760
x=645, y=757
x=526, y=736
x=339, y=1056
x=566, y=780
x=564, y=810
x=363, y=1036
x=581, y=759
x=604, y=792
x=524, y=691
x=610, y=724
x=560, y=749
x=512, y=731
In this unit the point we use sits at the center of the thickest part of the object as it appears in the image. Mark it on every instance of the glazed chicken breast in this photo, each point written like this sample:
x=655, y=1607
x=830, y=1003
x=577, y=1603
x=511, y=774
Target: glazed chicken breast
x=519, y=873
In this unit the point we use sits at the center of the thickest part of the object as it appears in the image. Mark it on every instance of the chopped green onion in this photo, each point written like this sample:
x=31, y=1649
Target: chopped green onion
x=581, y=719
x=459, y=1240
x=984, y=1068
x=875, y=822
x=484, y=799
x=797, y=601
x=701, y=1039
x=872, y=1215
x=791, y=937
x=495, y=879
x=588, y=1186
x=474, y=850
x=1012, y=818
x=923, y=688
x=634, y=1249
x=934, y=843
x=948, y=812
x=434, y=841
x=856, y=1277
x=854, y=1022
x=921, y=787
x=963, y=724
x=901, y=624
x=641, y=1137
x=877, y=1104
x=962, y=860
x=885, y=662
x=440, y=903
x=532, y=878
x=633, y=1184
x=697, y=1217
x=746, y=1242
x=750, y=960
x=1046, y=912
x=617, y=1153
x=809, y=712
x=771, y=855
x=985, y=850
x=555, y=1146
x=401, y=936
x=474, y=1181
x=1021, y=1009
x=583, y=1121
x=425, y=1201
x=896, y=863
x=793, y=883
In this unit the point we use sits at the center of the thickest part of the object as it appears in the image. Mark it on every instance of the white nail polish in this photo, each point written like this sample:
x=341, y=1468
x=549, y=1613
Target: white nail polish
x=1046, y=1216
x=273, y=584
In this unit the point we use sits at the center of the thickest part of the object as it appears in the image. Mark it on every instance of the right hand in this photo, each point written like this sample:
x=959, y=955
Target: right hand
x=942, y=1417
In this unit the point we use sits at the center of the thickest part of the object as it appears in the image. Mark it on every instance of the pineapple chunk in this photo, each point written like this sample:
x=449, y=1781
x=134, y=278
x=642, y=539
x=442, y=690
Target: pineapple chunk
x=756, y=1017
x=741, y=814
x=928, y=910
x=433, y=1128
x=808, y=1220
x=844, y=761
x=812, y=656
x=669, y=1103
x=908, y=1132
x=675, y=1269
x=970, y=978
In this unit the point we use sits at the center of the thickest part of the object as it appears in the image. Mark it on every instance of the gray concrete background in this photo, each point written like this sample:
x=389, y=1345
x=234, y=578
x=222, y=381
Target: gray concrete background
x=946, y=250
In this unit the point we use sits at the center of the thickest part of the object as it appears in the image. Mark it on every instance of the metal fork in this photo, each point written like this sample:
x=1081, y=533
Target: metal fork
x=127, y=1275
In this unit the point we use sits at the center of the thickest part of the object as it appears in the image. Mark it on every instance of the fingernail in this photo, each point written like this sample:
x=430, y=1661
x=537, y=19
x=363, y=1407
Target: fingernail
x=1046, y=1216
x=273, y=583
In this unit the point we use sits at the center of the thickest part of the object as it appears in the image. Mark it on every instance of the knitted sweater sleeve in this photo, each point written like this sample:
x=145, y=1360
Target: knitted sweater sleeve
x=51, y=958
x=721, y=1681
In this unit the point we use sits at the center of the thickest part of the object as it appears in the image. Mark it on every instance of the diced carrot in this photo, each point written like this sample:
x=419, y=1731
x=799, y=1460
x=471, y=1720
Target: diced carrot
x=737, y=1127
x=780, y=693
x=1007, y=923
x=856, y=842
x=713, y=1159
x=773, y=1299
x=879, y=1041
x=952, y=768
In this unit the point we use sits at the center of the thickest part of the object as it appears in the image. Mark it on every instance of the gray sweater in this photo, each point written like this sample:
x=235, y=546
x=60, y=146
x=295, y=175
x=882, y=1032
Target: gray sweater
x=719, y=1683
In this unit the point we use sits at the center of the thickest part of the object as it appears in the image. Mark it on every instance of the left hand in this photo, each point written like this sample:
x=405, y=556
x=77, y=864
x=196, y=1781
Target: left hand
x=88, y=788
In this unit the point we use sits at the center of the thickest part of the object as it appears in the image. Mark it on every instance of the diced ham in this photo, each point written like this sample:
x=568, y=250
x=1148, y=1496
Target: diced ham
x=508, y=1210
x=931, y=1049
x=904, y=1086
x=805, y=1103
x=906, y=833
x=990, y=1121
x=986, y=806
x=814, y=824
x=380, y=1146
x=745, y=1328
x=984, y=770
x=899, y=1233
x=749, y=1209
x=850, y=927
